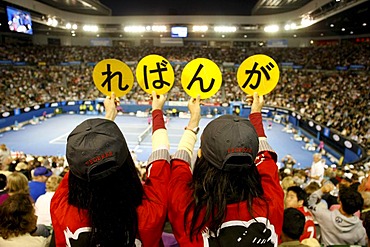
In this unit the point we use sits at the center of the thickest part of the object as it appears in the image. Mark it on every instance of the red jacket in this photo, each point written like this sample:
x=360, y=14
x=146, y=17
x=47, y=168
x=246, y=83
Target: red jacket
x=238, y=229
x=68, y=222
x=309, y=227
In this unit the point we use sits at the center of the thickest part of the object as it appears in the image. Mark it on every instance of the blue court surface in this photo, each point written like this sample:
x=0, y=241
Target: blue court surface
x=49, y=137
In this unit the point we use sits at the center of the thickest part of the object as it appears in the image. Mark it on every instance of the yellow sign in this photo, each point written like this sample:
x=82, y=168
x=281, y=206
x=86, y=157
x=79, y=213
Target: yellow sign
x=112, y=75
x=201, y=77
x=258, y=73
x=155, y=73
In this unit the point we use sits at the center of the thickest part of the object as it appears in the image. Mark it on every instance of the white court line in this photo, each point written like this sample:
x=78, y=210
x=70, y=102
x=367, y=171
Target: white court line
x=62, y=137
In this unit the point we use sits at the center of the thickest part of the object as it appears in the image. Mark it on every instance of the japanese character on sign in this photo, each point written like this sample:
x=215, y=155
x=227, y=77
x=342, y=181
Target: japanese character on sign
x=269, y=66
x=159, y=83
x=200, y=79
x=155, y=73
x=197, y=74
x=258, y=73
x=112, y=75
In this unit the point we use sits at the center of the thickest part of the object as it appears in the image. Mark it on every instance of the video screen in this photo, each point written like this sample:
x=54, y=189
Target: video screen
x=179, y=32
x=19, y=20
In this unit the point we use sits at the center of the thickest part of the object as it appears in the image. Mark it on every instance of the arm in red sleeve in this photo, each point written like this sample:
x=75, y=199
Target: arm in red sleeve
x=158, y=120
x=256, y=121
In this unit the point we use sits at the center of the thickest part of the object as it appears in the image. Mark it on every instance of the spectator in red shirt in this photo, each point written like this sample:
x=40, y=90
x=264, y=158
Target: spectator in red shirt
x=233, y=197
x=101, y=201
x=296, y=197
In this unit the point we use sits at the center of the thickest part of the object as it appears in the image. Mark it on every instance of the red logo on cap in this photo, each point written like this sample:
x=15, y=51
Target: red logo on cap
x=99, y=158
x=239, y=150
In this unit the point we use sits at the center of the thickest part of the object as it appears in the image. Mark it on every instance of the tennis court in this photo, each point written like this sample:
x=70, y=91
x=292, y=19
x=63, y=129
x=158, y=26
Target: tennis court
x=49, y=137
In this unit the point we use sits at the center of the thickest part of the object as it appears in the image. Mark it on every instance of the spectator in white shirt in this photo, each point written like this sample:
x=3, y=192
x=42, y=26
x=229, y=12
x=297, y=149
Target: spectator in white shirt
x=42, y=204
x=317, y=168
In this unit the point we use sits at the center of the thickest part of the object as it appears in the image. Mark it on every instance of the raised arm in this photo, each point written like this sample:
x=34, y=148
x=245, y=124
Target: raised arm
x=189, y=137
x=256, y=119
x=266, y=165
x=315, y=197
x=160, y=136
x=153, y=211
x=179, y=193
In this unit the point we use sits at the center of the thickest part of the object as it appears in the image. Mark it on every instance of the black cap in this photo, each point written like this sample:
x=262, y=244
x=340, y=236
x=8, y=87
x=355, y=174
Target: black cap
x=95, y=149
x=230, y=142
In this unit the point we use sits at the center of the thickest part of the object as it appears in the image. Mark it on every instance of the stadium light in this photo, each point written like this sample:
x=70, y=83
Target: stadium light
x=134, y=29
x=159, y=28
x=90, y=28
x=306, y=21
x=271, y=28
x=71, y=26
x=224, y=29
x=200, y=28
x=52, y=22
x=290, y=26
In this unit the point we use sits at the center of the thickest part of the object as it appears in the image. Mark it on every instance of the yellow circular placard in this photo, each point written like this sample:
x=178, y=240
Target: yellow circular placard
x=258, y=73
x=155, y=73
x=201, y=76
x=112, y=75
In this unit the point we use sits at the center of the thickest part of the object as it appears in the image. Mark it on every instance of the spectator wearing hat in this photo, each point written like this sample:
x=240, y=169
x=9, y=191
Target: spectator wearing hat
x=293, y=227
x=233, y=197
x=339, y=226
x=296, y=197
x=101, y=201
x=18, y=221
x=23, y=168
x=38, y=183
x=16, y=183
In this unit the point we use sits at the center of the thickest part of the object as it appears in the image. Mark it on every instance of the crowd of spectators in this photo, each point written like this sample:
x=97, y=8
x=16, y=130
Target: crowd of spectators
x=343, y=106
x=342, y=192
x=337, y=203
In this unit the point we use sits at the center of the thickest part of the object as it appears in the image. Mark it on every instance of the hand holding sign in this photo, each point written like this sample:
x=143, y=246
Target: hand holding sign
x=112, y=75
x=110, y=105
x=201, y=77
x=155, y=73
x=258, y=73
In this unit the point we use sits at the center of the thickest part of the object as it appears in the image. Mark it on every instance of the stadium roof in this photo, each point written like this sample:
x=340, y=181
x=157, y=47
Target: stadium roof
x=325, y=17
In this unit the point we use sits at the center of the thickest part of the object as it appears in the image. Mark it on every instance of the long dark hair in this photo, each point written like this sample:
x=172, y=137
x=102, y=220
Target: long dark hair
x=214, y=189
x=111, y=203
